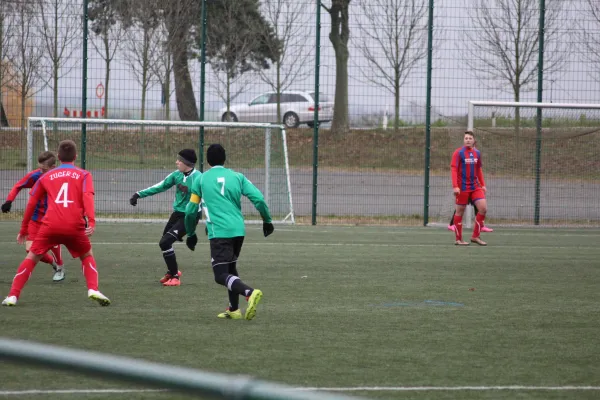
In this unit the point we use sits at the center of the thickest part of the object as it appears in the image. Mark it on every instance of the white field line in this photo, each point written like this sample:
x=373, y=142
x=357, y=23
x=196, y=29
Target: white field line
x=392, y=245
x=325, y=389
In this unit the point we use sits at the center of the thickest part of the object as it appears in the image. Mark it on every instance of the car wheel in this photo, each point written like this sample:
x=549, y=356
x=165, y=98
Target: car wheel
x=229, y=118
x=310, y=124
x=291, y=120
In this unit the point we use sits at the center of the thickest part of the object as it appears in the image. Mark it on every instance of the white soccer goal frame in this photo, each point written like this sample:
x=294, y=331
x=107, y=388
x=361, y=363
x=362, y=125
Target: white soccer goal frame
x=289, y=218
x=491, y=103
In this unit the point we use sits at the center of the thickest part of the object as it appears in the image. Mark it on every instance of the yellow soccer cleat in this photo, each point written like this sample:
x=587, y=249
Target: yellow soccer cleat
x=237, y=314
x=253, y=301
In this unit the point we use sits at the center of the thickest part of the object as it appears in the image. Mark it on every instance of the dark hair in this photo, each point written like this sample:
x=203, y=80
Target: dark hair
x=188, y=157
x=215, y=155
x=67, y=151
x=48, y=158
x=470, y=133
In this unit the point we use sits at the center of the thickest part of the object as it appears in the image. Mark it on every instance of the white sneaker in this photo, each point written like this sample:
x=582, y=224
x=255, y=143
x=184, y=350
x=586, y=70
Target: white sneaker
x=59, y=273
x=98, y=297
x=10, y=301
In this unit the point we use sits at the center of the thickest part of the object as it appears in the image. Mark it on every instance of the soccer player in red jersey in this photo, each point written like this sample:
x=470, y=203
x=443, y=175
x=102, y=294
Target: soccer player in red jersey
x=69, y=220
x=46, y=161
x=468, y=185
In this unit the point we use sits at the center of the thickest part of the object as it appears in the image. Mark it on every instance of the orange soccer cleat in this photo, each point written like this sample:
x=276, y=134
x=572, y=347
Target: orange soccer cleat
x=168, y=277
x=172, y=282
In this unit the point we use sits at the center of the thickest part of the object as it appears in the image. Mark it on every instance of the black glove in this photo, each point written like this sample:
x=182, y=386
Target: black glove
x=6, y=206
x=268, y=228
x=191, y=242
x=133, y=199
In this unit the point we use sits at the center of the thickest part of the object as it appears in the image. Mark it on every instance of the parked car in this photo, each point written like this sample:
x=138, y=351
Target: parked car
x=296, y=108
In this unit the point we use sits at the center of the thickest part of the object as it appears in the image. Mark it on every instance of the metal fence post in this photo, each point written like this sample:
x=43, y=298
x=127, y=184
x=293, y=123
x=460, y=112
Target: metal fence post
x=316, y=119
x=538, y=138
x=84, y=79
x=428, y=115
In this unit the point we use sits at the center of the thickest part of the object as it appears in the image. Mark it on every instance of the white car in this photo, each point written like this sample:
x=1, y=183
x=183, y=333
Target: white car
x=296, y=108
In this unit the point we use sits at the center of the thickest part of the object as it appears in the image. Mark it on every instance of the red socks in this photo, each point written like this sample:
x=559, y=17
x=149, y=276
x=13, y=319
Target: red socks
x=458, y=225
x=57, y=253
x=21, y=278
x=90, y=272
x=47, y=258
x=478, y=225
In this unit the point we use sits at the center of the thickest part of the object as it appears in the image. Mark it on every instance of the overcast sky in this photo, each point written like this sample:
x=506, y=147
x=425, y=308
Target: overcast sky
x=453, y=84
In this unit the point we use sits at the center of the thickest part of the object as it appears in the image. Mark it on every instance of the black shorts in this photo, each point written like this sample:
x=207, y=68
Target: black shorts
x=176, y=226
x=225, y=251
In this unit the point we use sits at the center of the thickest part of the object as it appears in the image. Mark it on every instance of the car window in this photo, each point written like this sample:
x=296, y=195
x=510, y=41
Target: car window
x=260, y=99
x=273, y=98
x=297, y=98
x=322, y=96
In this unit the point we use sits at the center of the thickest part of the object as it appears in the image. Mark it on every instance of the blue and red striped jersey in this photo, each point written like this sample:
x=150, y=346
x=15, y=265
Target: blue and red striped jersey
x=467, y=173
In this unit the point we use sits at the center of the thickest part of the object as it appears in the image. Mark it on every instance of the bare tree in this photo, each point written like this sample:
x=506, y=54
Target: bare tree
x=339, y=37
x=292, y=25
x=60, y=28
x=140, y=42
x=25, y=57
x=502, y=52
x=6, y=32
x=109, y=31
x=239, y=42
x=161, y=64
x=588, y=36
x=181, y=20
x=393, y=41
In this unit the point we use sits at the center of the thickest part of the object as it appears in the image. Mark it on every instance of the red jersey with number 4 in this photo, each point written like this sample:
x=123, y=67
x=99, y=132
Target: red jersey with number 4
x=70, y=192
x=467, y=174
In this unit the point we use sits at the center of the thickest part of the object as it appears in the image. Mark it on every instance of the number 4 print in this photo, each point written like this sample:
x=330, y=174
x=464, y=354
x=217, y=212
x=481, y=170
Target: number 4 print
x=62, y=195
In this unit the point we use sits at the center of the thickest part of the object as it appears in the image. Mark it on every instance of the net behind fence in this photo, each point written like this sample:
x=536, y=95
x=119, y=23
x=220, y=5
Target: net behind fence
x=128, y=156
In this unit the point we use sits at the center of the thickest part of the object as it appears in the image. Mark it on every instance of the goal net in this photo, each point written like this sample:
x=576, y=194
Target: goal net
x=129, y=155
x=548, y=175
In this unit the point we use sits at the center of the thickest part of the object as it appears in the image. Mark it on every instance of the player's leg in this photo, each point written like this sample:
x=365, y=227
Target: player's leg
x=32, y=230
x=451, y=226
x=57, y=255
x=174, y=231
x=82, y=248
x=461, y=203
x=234, y=298
x=22, y=276
x=224, y=252
x=479, y=199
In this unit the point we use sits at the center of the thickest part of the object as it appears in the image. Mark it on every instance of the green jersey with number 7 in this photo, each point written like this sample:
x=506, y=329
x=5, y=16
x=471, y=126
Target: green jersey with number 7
x=220, y=192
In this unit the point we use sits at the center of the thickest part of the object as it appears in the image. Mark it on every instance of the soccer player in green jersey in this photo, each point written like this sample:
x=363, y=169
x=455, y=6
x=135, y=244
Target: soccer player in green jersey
x=220, y=190
x=182, y=179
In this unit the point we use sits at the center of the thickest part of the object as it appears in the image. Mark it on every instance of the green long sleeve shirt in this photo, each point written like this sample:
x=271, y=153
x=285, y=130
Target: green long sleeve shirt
x=183, y=184
x=220, y=191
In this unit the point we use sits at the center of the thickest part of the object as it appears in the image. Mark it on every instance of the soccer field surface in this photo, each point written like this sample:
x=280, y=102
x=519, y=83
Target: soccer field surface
x=398, y=312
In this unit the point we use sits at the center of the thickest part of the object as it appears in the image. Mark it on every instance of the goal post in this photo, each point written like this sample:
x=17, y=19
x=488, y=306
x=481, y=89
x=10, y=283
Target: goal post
x=541, y=160
x=129, y=155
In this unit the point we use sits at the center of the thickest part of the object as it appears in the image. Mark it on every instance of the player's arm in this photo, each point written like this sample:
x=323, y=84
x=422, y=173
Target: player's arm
x=160, y=187
x=480, y=173
x=454, y=171
x=191, y=215
x=89, y=208
x=37, y=193
x=26, y=182
x=257, y=198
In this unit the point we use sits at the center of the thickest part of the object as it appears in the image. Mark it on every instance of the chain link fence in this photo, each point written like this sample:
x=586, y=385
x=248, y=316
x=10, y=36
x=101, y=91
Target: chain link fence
x=392, y=77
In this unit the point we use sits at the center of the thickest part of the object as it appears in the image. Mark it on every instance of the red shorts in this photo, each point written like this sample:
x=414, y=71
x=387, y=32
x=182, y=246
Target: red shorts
x=463, y=198
x=32, y=229
x=75, y=241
